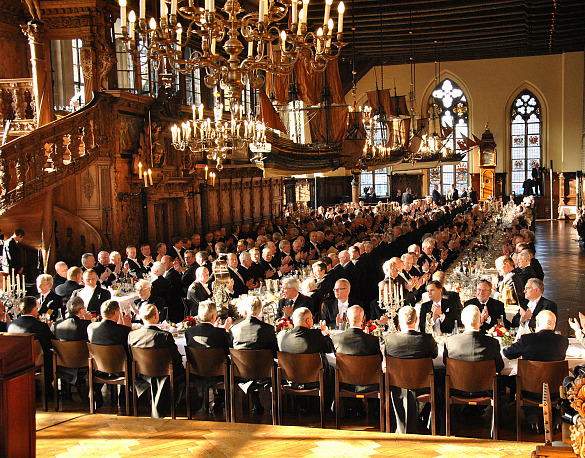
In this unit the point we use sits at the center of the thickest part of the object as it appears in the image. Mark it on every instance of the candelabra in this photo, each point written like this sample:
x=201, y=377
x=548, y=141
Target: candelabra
x=391, y=299
x=270, y=48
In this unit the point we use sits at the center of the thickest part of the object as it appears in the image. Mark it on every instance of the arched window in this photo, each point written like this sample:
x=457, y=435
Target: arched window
x=450, y=104
x=378, y=179
x=526, y=142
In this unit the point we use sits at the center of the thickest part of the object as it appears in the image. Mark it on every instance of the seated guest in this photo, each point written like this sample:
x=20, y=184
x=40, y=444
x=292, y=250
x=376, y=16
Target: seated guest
x=60, y=276
x=491, y=309
x=87, y=261
x=116, y=266
x=74, y=275
x=253, y=334
x=443, y=312
x=48, y=299
x=533, y=305
x=4, y=318
x=74, y=326
x=145, y=296
x=132, y=265
x=146, y=257
x=188, y=276
x=103, y=266
x=151, y=336
x=199, y=290
x=408, y=344
x=535, y=263
x=93, y=295
x=302, y=338
x=292, y=299
x=28, y=322
x=176, y=310
x=511, y=285
x=355, y=341
x=473, y=345
x=246, y=271
x=324, y=282
x=577, y=325
x=161, y=250
x=543, y=345
x=308, y=286
x=160, y=285
x=335, y=310
x=525, y=270
x=206, y=334
x=239, y=281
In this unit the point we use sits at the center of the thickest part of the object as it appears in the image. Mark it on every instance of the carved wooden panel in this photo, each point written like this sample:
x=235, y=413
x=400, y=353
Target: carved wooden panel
x=247, y=199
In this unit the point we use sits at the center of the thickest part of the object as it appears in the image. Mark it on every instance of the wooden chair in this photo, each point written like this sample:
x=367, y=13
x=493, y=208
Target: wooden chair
x=471, y=377
x=108, y=359
x=40, y=372
x=206, y=363
x=153, y=362
x=70, y=355
x=358, y=370
x=301, y=369
x=411, y=374
x=252, y=365
x=531, y=376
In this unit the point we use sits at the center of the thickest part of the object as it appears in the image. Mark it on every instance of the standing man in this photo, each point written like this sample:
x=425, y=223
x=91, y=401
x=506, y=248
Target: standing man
x=437, y=197
x=407, y=198
x=11, y=253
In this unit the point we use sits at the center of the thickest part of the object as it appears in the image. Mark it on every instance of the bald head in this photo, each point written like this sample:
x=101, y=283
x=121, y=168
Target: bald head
x=355, y=315
x=546, y=320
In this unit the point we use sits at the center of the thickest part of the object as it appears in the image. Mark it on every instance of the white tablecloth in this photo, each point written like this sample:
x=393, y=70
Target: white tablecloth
x=567, y=210
x=125, y=299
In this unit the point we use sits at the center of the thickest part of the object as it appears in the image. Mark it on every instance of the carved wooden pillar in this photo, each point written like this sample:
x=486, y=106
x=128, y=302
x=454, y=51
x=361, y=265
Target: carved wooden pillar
x=148, y=208
x=355, y=189
x=87, y=59
x=562, y=200
x=48, y=232
x=41, y=72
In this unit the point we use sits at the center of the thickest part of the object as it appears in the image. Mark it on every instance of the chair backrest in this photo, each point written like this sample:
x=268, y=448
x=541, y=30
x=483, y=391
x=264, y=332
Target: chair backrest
x=303, y=368
x=108, y=358
x=252, y=364
x=206, y=362
x=412, y=374
x=471, y=376
x=359, y=370
x=71, y=354
x=534, y=373
x=39, y=354
x=154, y=362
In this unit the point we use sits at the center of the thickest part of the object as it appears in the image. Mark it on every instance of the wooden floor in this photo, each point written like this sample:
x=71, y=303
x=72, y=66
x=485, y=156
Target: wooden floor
x=75, y=433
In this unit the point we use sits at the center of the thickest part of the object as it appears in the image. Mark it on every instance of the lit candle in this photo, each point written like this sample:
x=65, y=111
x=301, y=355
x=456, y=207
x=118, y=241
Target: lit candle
x=402, y=293
x=294, y=14
x=260, y=10
x=300, y=21
x=23, y=286
x=207, y=4
x=150, y=176
x=140, y=168
x=8, y=284
x=319, y=39
x=201, y=112
x=173, y=7
x=250, y=48
x=12, y=276
x=213, y=179
x=163, y=9
x=329, y=33
x=206, y=170
x=146, y=180
x=212, y=6
x=132, y=19
x=122, y=4
x=305, y=11
x=179, y=33
x=283, y=40
x=328, y=4
x=18, y=285
x=152, y=23
x=340, y=11
x=142, y=9
x=213, y=43
x=193, y=107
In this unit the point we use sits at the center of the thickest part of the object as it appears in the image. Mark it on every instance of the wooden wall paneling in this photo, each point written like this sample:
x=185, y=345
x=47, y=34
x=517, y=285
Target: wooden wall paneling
x=271, y=197
x=212, y=210
x=242, y=202
x=253, y=200
x=196, y=229
x=106, y=199
x=232, y=194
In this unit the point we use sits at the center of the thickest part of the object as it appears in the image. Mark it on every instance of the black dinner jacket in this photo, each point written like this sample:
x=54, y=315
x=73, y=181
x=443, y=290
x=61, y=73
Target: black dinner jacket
x=66, y=289
x=58, y=280
x=72, y=328
x=161, y=288
x=154, y=300
x=448, y=307
x=253, y=334
x=176, y=286
x=151, y=336
x=542, y=304
x=239, y=283
x=135, y=268
x=473, y=346
x=206, y=335
x=195, y=294
x=11, y=256
x=188, y=277
x=301, y=340
x=351, y=274
x=108, y=332
x=3, y=326
x=411, y=345
x=100, y=269
x=407, y=198
x=301, y=301
x=495, y=310
x=29, y=324
x=356, y=342
x=99, y=296
x=527, y=273
x=52, y=301
x=544, y=345
x=331, y=310
x=535, y=263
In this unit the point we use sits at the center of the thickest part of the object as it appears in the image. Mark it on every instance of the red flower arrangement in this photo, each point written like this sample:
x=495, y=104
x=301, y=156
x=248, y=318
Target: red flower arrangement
x=189, y=322
x=284, y=324
x=371, y=327
x=500, y=332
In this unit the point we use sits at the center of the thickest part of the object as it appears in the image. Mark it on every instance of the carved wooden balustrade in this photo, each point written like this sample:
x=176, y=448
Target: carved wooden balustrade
x=43, y=158
x=17, y=104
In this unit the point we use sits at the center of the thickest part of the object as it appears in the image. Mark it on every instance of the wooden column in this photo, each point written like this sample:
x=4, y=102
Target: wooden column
x=355, y=189
x=48, y=232
x=41, y=72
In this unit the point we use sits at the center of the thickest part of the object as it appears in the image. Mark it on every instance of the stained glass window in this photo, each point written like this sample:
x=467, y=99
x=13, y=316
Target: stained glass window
x=526, y=131
x=450, y=104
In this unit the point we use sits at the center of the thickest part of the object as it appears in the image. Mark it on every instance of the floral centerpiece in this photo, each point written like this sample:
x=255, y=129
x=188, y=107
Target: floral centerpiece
x=371, y=327
x=188, y=322
x=284, y=324
x=500, y=332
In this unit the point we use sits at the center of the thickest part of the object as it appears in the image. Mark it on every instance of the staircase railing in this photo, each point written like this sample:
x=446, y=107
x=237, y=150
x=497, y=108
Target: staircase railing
x=17, y=105
x=43, y=158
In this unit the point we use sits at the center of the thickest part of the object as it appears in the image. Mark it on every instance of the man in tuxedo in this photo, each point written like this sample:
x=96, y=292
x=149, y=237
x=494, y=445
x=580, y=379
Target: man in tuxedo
x=246, y=271
x=407, y=198
x=543, y=345
x=28, y=322
x=87, y=261
x=74, y=275
x=160, y=285
x=533, y=305
x=302, y=338
x=74, y=327
x=355, y=341
x=199, y=290
x=491, y=309
x=4, y=318
x=188, y=276
x=132, y=264
x=206, y=334
x=145, y=296
x=535, y=263
x=292, y=299
x=103, y=266
x=177, y=251
x=472, y=195
x=452, y=194
x=239, y=281
x=47, y=298
x=151, y=336
x=253, y=334
x=175, y=303
x=145, y=259
x=93, y=295
x=473, y=345
x=335, y=309
x=443, y=312
x=525, y=269
x=11, y=253
x=60, y=276
x=437, y=197
x=408, y=344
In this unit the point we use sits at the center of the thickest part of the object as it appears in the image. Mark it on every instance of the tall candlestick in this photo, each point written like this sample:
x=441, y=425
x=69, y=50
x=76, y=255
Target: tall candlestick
x=142, y=9
x=140, y=170
x=250, y=48
x=13, y=276
x=132, y=20
x=8, y=285
x=23, y=286
x=340, y=11
x=122, y=4
x=163, y=9
x=150, y=176
x=283, y=40
x=206, y=170
x=213, y=43
x=18, y=285
x=294, y=14
x=328, y=4
x=173, y=7
x=261, y=10
x=146, y=180
x=319, y=39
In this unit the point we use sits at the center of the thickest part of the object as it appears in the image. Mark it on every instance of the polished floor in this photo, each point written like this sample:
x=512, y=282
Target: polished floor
x=75, y=433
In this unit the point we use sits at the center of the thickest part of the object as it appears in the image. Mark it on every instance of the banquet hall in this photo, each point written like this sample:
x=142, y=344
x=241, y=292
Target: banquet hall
x=309, y=138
